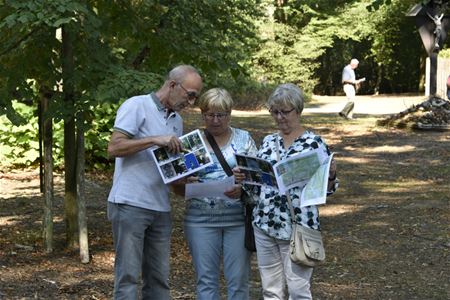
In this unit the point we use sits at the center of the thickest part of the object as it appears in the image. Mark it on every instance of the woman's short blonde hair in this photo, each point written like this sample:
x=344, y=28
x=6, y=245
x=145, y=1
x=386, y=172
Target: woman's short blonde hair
x=215, y=98
x=287, y=94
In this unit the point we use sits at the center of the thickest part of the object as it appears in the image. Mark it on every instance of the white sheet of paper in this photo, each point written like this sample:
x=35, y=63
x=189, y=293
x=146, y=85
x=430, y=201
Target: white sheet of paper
x=215, y=188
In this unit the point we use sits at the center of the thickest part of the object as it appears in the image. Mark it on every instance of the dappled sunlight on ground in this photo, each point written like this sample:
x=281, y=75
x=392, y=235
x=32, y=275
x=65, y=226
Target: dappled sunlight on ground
x=390, y=149
x=331, y=210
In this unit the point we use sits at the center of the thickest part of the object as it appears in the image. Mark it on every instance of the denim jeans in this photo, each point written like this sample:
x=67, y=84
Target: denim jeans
x=207, y=244
x=277, y=270
x=142, y=246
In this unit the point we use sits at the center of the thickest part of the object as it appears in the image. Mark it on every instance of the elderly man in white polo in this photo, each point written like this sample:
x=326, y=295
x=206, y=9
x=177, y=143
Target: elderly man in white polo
x=350, y=84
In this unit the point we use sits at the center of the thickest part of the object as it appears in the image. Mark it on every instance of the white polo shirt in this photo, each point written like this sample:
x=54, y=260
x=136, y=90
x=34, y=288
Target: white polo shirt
x=137, y=181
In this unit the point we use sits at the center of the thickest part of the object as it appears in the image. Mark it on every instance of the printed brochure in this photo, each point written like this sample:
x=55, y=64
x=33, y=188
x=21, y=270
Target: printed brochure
x=193, y=158
x=308, y=171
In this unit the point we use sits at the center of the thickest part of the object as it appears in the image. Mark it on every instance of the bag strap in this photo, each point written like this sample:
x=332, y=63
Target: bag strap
x=219, y=155
x=288, y=196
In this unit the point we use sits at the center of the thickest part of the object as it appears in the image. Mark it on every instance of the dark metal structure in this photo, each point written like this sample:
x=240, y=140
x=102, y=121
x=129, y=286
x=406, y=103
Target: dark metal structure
x=433, y=23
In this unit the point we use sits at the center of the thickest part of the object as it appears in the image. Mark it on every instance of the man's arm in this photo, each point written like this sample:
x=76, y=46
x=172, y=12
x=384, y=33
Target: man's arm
x=354, y=82
x=122, y=145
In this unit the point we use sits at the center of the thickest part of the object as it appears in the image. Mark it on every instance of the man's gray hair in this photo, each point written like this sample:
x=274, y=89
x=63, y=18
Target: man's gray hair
x=287, y=94
x=354, y=61
x=180, y=72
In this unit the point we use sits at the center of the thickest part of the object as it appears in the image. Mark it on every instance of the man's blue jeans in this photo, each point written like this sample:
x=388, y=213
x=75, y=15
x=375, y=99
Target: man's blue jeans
x=207, y=245
x=142, y=246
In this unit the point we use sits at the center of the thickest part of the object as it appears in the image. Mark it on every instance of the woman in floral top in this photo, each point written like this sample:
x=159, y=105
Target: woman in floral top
x=214, y=226
x=272, y=219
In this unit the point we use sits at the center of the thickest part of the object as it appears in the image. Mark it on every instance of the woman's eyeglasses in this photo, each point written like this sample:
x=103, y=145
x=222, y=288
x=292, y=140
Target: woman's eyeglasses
x=282, y=113
x=192, y=96
x=211, y=116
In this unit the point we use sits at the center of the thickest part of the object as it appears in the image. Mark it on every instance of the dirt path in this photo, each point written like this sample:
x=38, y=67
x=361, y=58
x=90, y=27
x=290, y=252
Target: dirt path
x=386, y=230
x=364, y=104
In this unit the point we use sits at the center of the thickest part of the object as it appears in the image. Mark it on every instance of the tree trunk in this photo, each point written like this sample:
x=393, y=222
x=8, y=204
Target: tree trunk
x=47, y=133
x=82, y=216
x=70, y=203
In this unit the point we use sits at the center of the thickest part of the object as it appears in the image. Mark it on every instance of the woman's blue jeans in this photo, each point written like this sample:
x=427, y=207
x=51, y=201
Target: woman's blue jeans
x=207, y=245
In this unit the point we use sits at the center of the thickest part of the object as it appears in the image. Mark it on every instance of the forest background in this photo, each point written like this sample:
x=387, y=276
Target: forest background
x=85, y=57
x=65, y=66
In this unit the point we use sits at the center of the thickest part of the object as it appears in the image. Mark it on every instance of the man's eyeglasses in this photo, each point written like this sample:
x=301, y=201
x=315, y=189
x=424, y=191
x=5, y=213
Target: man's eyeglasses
x=192, y=96
x=282, y=113
x=211, y=116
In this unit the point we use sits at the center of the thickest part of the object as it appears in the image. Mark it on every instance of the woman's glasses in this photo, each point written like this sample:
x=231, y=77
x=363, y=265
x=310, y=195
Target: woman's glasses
x=282, y=113
x=211, y=116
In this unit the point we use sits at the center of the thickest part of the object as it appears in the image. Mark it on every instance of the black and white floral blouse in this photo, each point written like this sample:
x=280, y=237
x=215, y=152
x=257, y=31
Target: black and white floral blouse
x=271, y=213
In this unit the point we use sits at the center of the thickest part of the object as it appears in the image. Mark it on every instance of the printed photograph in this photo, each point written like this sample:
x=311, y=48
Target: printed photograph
x=252, y=163
x=256, y=176
x=161, y=154
x=168, y=170
x=195, y=140
x=186, y=145
x=190, y=161
x=268, y=179
x=179, y=166
x=265, y=166
x=241, y=161
x=201, y=156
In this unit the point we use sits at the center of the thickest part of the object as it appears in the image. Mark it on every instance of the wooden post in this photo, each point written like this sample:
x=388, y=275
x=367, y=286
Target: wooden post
x=48, y=176
x=433, y=73
x=70, y=180
x=81, y=196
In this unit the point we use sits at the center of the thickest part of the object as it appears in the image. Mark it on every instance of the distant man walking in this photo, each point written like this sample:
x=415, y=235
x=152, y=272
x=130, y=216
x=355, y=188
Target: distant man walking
x=350, y=83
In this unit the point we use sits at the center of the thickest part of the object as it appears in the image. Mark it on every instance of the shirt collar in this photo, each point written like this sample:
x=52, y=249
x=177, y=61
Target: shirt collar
x=168, y=112
x=157, y=102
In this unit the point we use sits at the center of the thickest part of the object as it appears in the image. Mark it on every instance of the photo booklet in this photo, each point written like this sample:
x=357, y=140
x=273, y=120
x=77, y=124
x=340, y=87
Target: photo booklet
x=193, y=157
x=308, y=171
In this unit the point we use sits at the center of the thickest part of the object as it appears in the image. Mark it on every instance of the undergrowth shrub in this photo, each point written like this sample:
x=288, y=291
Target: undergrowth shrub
x=20, y=144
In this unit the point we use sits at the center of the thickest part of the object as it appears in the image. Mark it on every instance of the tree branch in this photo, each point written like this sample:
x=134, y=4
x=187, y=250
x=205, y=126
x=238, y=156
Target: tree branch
x=145, y=51
x=17, y=43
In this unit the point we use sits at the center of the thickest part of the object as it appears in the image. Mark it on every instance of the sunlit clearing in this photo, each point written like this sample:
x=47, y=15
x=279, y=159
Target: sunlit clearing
x=58, y=219
x=356, y=160
x=250, y=113
x=10, y=220
x=337, y=209
x=400, y=185
x=390, y=149
x=377, y=223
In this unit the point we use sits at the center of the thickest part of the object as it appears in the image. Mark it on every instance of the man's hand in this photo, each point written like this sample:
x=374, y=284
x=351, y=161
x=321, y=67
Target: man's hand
x=172, y=142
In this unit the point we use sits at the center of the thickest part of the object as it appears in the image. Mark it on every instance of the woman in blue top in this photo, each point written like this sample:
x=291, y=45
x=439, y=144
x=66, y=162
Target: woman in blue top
x=272, y=220
x=214, y=226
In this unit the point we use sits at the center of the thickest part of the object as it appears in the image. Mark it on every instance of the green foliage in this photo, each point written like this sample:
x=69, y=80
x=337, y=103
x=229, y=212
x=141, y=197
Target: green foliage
x=123, y=48
x=99, y=133
x=121, y=83
x=297, y=35
x=445, y=53
x=19, y=143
